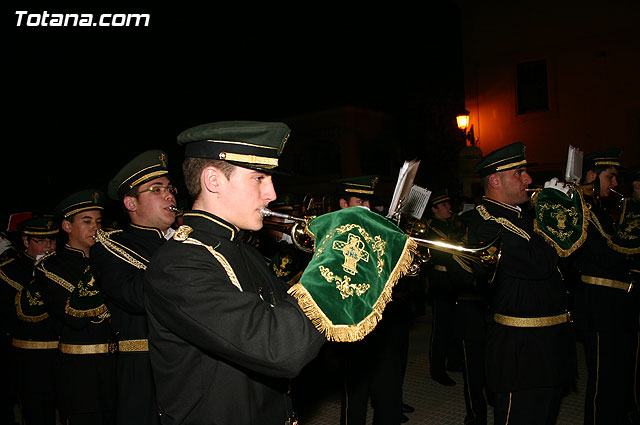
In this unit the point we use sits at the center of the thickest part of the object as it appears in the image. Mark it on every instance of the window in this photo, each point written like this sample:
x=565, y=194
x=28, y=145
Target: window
x=532, y=87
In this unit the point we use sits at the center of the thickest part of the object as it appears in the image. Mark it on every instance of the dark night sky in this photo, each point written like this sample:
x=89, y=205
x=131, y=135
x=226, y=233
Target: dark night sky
x=82, y=101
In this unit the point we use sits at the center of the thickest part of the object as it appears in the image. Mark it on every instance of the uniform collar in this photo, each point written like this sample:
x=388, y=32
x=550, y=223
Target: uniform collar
x=202, y=220
x=74, y=251
x=137, y=228
x=501, y=208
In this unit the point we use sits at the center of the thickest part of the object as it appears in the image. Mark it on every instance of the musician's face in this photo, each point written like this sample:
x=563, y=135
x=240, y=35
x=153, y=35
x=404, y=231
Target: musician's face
x=608, y=180
x=82, y=228
x=354, y=201
x=38, y=246
x=514, y=184
x=151, y=207
x=442, y=211
x=243, y=195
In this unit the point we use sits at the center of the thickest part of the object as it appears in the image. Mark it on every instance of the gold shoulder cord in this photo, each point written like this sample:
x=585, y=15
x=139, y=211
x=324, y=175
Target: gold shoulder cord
x=10, y=281
x=118, y=249
x=57, y=279
x=503, y=222
x=223, y=261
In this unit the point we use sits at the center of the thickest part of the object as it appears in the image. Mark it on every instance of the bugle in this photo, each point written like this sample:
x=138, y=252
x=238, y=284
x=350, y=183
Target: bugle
x=486, y=255
x=295, y=228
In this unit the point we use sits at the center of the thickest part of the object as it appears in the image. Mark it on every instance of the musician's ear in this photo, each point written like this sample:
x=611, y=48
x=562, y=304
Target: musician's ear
x=209, y=179
x=494, y=181
x=343, y=203
x=130, y=203
x=590, y=176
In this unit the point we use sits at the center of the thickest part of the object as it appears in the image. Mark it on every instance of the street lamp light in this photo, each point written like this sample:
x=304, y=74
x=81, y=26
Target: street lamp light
x=463, y=124
x=463, y=120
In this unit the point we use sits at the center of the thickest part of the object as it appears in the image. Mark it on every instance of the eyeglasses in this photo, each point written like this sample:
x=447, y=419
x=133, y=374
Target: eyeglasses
x=41, y=241
x=157, y=190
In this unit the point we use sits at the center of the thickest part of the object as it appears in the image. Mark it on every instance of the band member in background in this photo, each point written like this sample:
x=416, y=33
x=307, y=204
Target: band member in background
x=224, y=336
x=119, y=261
x=606, y=307
x=530, y=348
x=374, y=367
x=86, y=374
x=442, y=348
x=34, y=339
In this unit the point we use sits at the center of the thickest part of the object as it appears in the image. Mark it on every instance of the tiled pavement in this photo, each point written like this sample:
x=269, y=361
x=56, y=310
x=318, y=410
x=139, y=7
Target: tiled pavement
x=434, y=403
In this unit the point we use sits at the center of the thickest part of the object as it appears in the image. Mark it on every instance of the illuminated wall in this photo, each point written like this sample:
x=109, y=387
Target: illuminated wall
x=590, y=49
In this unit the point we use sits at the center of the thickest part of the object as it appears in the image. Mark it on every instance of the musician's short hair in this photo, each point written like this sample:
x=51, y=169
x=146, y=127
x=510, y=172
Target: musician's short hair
x=192, y=170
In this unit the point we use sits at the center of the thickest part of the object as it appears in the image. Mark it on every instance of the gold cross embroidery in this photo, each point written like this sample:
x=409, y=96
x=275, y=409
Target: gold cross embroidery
x=353, y=251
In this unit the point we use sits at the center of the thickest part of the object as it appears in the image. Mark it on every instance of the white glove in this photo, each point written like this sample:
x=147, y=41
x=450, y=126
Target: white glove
x=4, y=244
x=558, y=185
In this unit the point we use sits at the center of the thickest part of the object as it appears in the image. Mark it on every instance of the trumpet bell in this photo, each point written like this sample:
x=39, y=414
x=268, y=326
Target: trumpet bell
x=294, y=227
x=485, y=255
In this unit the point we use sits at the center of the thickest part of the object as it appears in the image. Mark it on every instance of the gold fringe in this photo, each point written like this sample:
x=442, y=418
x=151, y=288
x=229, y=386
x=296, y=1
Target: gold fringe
x=352, y=333
x=101, y=309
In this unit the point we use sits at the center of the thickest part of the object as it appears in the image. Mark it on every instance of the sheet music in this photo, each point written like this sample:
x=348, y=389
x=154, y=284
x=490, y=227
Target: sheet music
x=403, y=186
x=573, y=171
x=417, y=202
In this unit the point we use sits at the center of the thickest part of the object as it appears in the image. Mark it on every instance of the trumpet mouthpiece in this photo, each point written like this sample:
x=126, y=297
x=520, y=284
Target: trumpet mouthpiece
x=174, y=209
x=265, y=212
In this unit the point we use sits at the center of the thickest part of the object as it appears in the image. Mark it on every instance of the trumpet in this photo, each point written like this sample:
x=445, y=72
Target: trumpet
x=296, y=230
x=487, y=255
x=586, y=189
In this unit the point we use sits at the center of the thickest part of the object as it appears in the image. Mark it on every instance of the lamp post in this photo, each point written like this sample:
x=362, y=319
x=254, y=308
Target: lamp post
x=463, y=124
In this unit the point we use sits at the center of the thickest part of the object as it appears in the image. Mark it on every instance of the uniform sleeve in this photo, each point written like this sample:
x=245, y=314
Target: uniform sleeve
x=521, y=259
x=193, y=298
x=122, y=283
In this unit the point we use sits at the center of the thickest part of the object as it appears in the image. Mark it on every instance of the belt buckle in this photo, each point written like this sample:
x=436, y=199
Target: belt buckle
x=113, y=347
x=569, y=318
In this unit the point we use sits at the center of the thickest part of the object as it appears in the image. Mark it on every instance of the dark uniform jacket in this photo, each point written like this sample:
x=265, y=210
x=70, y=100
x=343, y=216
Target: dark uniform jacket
x=86, y=382
x=439, y=282
x=33, y=369
x=119, y=263
x=527, y=284
x=600, y=307
x=223, y=333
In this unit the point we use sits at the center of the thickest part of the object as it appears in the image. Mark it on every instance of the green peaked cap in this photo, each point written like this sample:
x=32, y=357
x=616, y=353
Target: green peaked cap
x=358, y=258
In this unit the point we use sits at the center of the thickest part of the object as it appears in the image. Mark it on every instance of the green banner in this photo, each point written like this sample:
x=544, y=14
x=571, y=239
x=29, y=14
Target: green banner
x=358, y=257
x=562, y=220
x=626, y=239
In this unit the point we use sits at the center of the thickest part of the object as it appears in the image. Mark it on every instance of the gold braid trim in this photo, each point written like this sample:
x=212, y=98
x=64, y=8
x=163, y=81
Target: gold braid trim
x=610, y=243
x=223, y=261
x=7, y=261
x=118, y=249
x=351, y=333
x=15, y=285
x=25, y=318
x=57, y=279
x=503, y=222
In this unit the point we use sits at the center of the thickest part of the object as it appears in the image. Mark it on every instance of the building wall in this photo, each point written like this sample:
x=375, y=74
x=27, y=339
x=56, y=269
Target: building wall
x=591, y=49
